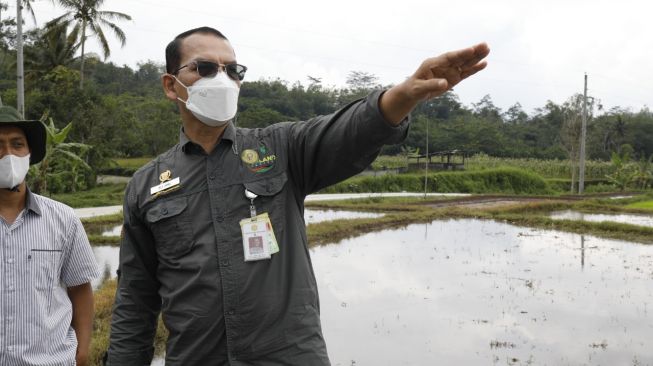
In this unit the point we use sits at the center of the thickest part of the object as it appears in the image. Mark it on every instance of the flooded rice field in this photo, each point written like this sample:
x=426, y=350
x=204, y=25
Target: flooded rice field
x=642, y=220
x=473, y=292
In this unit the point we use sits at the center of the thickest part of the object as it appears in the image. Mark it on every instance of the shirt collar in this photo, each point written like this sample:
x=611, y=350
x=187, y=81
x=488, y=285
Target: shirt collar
x=30, y=202
x=185, y=143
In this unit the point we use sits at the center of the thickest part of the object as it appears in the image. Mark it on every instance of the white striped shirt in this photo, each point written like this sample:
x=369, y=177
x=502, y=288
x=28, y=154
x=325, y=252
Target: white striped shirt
x=42, y=253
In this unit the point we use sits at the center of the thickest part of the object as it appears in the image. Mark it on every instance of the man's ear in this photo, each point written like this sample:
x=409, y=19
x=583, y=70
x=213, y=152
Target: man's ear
x=168, y=82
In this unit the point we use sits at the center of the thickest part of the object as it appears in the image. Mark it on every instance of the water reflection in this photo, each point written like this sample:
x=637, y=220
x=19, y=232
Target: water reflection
x=479, y=293
x=312, y=216
x=620, y=197
x=633, y=219
x=112, y=230
x=582, y=251
x=107, y=258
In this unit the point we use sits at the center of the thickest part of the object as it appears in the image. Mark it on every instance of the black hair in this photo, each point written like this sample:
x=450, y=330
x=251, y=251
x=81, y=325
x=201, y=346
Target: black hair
x=173, y=56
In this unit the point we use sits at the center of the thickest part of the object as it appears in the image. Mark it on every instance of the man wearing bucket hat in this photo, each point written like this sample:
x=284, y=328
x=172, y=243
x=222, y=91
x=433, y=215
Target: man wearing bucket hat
x=46, y=262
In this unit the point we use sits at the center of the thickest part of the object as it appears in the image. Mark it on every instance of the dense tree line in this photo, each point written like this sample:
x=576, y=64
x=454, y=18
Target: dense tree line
x=121, y=111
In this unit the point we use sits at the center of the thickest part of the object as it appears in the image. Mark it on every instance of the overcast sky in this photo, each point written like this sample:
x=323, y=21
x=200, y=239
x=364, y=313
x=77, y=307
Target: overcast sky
x=540, y=49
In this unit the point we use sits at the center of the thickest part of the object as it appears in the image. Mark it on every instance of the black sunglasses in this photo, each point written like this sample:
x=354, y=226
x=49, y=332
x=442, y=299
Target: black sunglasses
x=208, y=68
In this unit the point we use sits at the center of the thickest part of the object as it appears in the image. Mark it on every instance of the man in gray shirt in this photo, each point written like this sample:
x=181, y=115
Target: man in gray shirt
x=214, y=236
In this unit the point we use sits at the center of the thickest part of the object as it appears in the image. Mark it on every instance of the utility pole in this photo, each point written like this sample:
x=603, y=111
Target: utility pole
x=426, y=169
x=20, y=84
x=583, y=132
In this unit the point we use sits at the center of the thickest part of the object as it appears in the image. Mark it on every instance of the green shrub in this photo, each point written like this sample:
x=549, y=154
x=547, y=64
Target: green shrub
x=119, y=171
x=504, y=180
x=101, y=195
x=125, y=167
x=591, y=185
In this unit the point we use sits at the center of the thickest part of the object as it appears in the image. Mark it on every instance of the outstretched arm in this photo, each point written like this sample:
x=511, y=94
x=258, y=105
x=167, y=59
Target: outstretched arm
x=433, y=78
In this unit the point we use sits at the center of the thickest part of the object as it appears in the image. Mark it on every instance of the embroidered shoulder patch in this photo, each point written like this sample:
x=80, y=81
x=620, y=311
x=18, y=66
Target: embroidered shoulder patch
x=258, y=161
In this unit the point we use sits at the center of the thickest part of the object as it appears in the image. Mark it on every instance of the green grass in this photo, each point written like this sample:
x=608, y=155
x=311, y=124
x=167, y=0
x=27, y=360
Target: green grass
x=389, y=162
x=378, y=204
x=645, y=205
x=132, y=163
x=102, y=195
x=125, y=167
x=505, y=180
x=552, y=168
x=103, y=298
x=114, y=219
x=98, y=240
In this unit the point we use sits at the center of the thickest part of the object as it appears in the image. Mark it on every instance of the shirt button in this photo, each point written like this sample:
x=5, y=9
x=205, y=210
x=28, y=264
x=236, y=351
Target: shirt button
x=165, y=211
x=10, y=288
x=10, y=260
x=224, y=262
x=231, y=312
x=212, y=177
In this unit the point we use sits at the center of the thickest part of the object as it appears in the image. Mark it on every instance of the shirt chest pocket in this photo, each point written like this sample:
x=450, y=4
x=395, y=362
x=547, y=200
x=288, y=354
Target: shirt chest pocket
x=269, y=199
x=44, y=267
x=171, y=226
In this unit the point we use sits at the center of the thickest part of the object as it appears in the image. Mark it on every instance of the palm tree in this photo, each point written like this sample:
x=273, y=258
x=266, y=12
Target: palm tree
x=51, y=49
x=86, y=16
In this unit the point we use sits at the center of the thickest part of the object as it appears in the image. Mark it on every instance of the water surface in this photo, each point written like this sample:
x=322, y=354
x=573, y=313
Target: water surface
x=634, y=219
x=472, y=292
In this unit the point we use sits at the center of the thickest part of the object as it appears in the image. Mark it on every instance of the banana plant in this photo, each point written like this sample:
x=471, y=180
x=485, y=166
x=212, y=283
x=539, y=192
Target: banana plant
x=644, y=175
x=63, y=162
x=624, y=173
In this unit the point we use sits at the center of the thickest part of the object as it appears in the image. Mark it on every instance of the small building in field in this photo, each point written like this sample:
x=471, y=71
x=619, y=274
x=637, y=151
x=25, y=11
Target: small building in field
x=439, y=160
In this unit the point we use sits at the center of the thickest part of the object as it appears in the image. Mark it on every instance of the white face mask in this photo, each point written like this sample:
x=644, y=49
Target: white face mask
x=13, y=170
x=213, y=101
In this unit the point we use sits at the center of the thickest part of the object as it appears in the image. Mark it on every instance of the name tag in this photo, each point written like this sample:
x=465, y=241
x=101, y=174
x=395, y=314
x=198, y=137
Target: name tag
x=259, y=241
x=165, y=185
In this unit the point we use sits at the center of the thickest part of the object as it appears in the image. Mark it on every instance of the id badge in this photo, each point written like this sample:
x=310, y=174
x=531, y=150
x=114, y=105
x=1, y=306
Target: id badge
x=259, y=241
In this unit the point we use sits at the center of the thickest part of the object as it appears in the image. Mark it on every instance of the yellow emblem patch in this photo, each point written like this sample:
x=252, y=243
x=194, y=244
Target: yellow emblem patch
x=165, y=176
x=249, y=156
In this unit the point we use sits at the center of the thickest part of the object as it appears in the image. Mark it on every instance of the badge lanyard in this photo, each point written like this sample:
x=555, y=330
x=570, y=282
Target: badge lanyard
x=259, y=241
x=251, y=196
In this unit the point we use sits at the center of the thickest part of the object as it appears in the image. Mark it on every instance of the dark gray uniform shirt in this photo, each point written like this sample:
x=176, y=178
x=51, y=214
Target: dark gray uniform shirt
x=182, y=252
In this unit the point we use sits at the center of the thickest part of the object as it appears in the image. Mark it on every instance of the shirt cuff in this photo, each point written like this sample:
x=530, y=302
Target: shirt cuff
x=381, y=129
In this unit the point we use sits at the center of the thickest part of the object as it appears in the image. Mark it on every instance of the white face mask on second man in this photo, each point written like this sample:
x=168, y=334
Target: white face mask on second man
x=213, y=100
x=13, y=170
